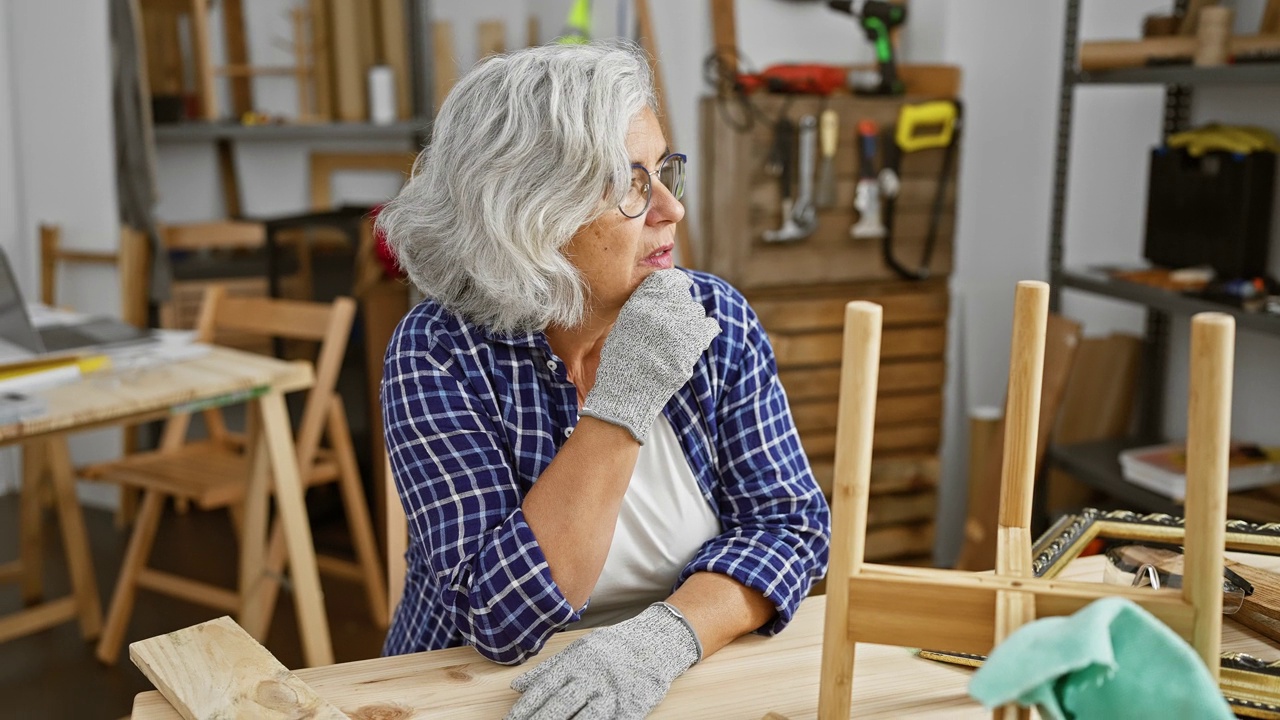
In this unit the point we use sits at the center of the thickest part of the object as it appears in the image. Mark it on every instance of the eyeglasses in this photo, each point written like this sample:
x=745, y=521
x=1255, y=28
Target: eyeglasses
x=670, y=173
x=1160, y=566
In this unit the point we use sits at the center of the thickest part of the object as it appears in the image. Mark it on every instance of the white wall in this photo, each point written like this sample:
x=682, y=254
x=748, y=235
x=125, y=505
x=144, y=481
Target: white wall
x=60, y=146
x=10, y=217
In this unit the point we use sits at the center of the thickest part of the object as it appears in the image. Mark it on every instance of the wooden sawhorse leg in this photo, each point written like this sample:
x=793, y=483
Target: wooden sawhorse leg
x=274, y=460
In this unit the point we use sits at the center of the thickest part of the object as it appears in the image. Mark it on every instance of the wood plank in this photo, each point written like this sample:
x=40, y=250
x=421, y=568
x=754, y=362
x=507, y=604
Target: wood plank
x=350, y=101
x=318, y=14
x=492, y=38
x=890, y=409
x=905, y=474
x=902, y=508
x=393, y=39
x=894, y=541
x=215, y=669
x=237, y=53
x=725, y=32
x=823, y=348
x=895, y=376
x=444, y=62
x=751, y=675
x=204, y=60
x=827, y=313
x=922, y=437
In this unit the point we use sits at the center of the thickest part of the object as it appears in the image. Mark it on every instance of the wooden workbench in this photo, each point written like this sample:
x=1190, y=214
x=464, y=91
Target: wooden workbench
x=752, y=676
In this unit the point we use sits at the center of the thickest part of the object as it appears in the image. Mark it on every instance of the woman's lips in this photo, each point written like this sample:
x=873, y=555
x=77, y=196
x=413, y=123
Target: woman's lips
x=661, y=259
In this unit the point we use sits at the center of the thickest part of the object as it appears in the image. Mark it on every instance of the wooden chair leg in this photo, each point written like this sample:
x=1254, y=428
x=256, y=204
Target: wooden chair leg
x=127, y=511
x=135, y=559
x=855, y=427
x=31, y=542
x=357, y=508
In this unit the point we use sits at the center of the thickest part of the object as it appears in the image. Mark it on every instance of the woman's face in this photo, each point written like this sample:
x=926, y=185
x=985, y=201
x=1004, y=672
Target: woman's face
x=615, y=253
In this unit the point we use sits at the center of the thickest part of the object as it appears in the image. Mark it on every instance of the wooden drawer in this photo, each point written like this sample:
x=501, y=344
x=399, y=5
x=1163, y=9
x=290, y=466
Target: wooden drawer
x=741, y=200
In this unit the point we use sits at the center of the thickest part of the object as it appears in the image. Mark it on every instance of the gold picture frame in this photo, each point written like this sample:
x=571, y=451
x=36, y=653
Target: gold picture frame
x=1250, y=684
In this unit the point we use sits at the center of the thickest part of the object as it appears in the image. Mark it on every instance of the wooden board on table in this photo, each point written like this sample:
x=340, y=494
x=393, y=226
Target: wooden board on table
x=215, y=669
x=750, y=676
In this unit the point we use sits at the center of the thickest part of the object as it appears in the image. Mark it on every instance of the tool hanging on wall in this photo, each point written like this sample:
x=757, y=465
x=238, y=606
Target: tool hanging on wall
x=866, y=199
x=799, y=218
x=923, y=126
x=877, y=19
x=828, y=138
x=805, y=79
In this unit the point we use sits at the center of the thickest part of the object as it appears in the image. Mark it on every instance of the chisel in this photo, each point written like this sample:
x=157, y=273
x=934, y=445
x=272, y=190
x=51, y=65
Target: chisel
x=828, y=134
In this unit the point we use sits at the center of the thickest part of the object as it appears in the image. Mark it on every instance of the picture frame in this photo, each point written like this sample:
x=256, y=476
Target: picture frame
x=1251, y=685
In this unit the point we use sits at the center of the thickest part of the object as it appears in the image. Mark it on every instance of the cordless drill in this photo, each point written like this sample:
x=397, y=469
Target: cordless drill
x=877, y=19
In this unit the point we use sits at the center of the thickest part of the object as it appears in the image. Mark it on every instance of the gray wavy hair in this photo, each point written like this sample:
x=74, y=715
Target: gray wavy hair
x=527, y=148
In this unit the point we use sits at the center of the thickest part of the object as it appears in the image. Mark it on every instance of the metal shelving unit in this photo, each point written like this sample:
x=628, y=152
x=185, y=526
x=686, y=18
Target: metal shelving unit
x=1096, y=464
x=206, y=131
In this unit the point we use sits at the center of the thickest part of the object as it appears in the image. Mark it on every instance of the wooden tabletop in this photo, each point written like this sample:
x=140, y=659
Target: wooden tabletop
x=110, y=396
x=752, y=676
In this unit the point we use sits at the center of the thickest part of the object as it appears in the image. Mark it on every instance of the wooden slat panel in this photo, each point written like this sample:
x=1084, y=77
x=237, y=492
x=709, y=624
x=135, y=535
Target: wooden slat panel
x=786, y=315
x=215, y=669
x=899, y=540
x=888, y=476
x=824, y=348
x=924, y=437
x=890, y=409
x=895, y=376
x=911, y=507
x=231, y=235
x=297, y=320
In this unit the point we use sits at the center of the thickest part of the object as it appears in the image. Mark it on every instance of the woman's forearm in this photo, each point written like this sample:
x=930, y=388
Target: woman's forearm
x=573, y=507
x=720, y=609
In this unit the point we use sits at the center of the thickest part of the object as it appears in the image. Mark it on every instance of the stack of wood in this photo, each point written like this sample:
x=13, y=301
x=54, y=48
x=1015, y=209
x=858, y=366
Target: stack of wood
x=335, y=44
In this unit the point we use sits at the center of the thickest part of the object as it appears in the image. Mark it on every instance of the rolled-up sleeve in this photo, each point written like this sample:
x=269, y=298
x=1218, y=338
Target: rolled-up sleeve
x=462, y=500
x=776, y=524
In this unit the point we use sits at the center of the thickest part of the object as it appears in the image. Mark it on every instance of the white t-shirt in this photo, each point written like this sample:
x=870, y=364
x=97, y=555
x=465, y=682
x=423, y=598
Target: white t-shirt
x=663, y=522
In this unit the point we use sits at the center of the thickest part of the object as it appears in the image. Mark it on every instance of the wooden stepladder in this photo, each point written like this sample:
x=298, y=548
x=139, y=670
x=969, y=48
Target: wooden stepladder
x=972, y=613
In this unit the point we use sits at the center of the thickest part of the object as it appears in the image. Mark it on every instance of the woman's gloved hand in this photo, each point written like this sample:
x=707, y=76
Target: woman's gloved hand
x=614, y=673
x=649, y=355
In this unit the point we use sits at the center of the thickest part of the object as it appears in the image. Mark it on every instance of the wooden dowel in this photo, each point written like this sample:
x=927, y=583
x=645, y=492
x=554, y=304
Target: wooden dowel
x=1208, y=446
x=1112, y=54
x=1022, y=412
x=855, y=429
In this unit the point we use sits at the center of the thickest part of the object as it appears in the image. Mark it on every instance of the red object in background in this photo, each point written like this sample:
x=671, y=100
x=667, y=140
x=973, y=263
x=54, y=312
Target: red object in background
x=809, y=79
x=386, y=257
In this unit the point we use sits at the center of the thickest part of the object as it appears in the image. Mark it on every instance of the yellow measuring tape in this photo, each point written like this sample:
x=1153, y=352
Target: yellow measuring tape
x=926, y=125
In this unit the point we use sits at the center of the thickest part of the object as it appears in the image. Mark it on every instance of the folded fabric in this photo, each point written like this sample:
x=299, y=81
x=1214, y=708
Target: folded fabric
x=1112, y=659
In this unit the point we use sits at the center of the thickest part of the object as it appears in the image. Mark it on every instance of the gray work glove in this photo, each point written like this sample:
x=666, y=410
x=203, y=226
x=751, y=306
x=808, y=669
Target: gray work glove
x=614, y=673
x=649, y=355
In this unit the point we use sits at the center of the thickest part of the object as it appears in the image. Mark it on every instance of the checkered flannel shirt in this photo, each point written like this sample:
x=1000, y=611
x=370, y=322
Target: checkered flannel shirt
x=472, y=419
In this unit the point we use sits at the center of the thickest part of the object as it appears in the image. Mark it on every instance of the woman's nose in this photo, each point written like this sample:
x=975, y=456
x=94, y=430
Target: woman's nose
x=663, y=206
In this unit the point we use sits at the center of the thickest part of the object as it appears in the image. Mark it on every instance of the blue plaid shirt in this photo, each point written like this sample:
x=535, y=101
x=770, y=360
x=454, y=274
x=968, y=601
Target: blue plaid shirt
x=472, y=419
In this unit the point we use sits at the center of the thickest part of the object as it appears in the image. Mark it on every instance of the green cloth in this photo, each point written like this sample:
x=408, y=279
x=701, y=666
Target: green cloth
x=1112, y=659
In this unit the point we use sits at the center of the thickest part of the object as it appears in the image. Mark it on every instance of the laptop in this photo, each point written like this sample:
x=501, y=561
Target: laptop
x=19, y=337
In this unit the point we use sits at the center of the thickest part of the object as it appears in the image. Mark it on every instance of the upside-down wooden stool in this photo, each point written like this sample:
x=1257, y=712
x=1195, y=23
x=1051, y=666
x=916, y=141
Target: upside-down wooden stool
x=972, y=613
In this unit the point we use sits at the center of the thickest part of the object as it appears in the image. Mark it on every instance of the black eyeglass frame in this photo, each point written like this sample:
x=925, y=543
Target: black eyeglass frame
x=677, y=192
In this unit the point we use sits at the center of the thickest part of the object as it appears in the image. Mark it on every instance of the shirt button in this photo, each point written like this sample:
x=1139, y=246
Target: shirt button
x=552, y=365
x=568, y=431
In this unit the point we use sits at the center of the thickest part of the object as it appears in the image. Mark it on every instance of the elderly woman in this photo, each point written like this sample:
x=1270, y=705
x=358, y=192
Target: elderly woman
x=582, y=435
